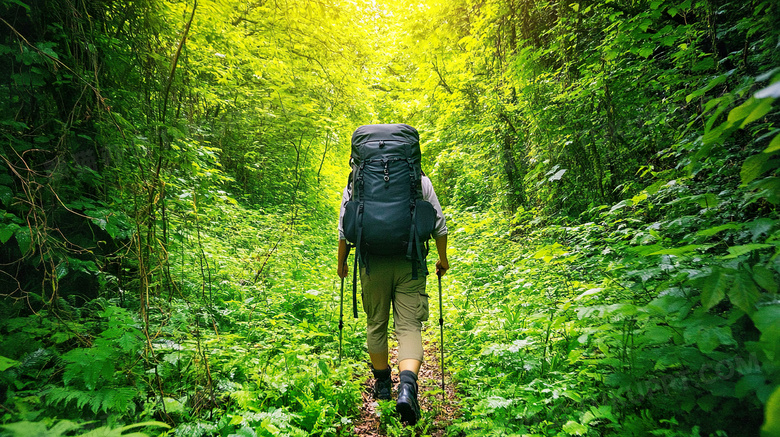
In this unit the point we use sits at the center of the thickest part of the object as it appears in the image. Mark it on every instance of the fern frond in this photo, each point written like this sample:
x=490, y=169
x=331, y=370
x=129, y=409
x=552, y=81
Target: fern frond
x=106, y=431
x=108, y=399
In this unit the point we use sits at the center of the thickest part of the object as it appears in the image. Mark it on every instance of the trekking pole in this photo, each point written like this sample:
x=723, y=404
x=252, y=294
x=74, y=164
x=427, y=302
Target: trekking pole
x=441, y=341
x=341, y=319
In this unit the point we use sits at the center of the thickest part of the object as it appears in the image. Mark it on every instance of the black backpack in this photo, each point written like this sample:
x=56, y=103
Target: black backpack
x=386, y=213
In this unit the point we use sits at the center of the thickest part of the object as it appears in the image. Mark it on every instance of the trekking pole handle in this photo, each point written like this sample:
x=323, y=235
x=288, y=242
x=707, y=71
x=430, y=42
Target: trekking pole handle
x=441, y=315
x=341, y=312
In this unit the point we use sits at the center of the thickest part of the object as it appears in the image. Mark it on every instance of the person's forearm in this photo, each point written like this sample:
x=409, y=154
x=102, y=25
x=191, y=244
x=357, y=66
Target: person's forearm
x=342, y=254
x=441, y=248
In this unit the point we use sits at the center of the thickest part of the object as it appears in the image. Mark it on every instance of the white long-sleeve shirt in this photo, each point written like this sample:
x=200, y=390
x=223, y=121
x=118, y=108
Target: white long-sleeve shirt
x=428, y=194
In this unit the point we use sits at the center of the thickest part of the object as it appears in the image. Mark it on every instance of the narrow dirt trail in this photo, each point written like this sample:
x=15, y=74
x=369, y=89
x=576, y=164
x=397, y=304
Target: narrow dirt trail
x=436, y=415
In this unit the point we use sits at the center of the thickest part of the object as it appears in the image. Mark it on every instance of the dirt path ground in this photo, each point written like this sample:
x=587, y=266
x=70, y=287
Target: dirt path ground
x=436, y=415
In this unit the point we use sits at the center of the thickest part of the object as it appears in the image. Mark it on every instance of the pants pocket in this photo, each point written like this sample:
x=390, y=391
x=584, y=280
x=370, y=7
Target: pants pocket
x=422, y=307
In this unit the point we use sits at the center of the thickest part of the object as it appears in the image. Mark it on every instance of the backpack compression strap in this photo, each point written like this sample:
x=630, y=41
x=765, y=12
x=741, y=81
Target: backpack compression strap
x=354, y=284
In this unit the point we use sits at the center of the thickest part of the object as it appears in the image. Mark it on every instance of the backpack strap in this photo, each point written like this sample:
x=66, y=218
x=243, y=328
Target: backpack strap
x=360, y=256
x=354, y=283
x=414, y=252
x=361, y=259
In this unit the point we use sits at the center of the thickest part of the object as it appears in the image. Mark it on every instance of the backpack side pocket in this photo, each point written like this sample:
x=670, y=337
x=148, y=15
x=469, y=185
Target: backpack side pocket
x=425, y=219
x=350, y=219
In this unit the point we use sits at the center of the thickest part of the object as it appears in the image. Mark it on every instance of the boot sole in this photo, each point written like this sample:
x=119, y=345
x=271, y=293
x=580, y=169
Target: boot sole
x=407, y=412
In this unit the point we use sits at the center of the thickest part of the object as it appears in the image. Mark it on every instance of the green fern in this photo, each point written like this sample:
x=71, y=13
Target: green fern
x=40, y=429
x=108, y=400
x=89, y=365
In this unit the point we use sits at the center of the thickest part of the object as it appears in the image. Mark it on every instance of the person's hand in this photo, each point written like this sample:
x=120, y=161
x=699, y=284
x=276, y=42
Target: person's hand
x=442, y=267
x=343, y=270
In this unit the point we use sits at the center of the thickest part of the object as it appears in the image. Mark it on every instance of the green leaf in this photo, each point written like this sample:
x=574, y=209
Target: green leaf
x=128, y=342
x=639, y=198
x=92, y=367
x=772, y=187
x=7, y=363
x=646, y=51
x=713, y=287
x=23, y=239
x=760, y=227
x=753, y=167
x=710, y=137
x=323, y=366
x=771, y=426
x=549, y=252
x=573, y=428
x=774, y=145
x=23, y=429
x=61, y=270
x=621, y=204
x=712, y=231
x=597, y=413
x=652, y=189
x=6, y=195
x=748, y=384
x=174, y=406
x=707, y=332
x=7, y=231
x=765, y=278
x=106, y=431
x=750, y=110
x=658, y=334
x=707, y=340
x=767, y=320
x=667, y=304
x=759, y=111
x=735, y=251
x=744, y=294
x=707, y=200
x=557, y=176
x=684, y=250
x=63, y=427
x=712, y=84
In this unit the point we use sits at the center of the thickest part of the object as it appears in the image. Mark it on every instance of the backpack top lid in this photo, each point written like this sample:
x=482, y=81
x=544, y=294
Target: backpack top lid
x=395, y=134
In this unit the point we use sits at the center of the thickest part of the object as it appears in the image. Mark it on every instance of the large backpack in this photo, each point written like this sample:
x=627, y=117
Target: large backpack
x=386, y=213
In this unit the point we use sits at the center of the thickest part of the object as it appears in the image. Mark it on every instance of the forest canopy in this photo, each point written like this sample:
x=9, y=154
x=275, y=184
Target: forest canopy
x=170, y=182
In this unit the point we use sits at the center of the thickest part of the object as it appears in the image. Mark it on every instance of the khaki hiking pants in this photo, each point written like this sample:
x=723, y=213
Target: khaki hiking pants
x=390, y=282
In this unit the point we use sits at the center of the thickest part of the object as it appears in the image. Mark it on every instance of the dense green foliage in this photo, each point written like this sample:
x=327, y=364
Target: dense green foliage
x=169, y=188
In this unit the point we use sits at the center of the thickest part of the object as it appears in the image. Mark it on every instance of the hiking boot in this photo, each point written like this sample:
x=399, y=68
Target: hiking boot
x=383, y=384
x=407, y=405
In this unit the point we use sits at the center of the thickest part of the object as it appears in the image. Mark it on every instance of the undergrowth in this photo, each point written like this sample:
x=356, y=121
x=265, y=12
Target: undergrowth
x=243, y=342
x=654, y=316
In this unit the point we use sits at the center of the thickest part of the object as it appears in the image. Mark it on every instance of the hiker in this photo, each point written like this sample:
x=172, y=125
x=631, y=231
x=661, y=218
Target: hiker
x=392, y=279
